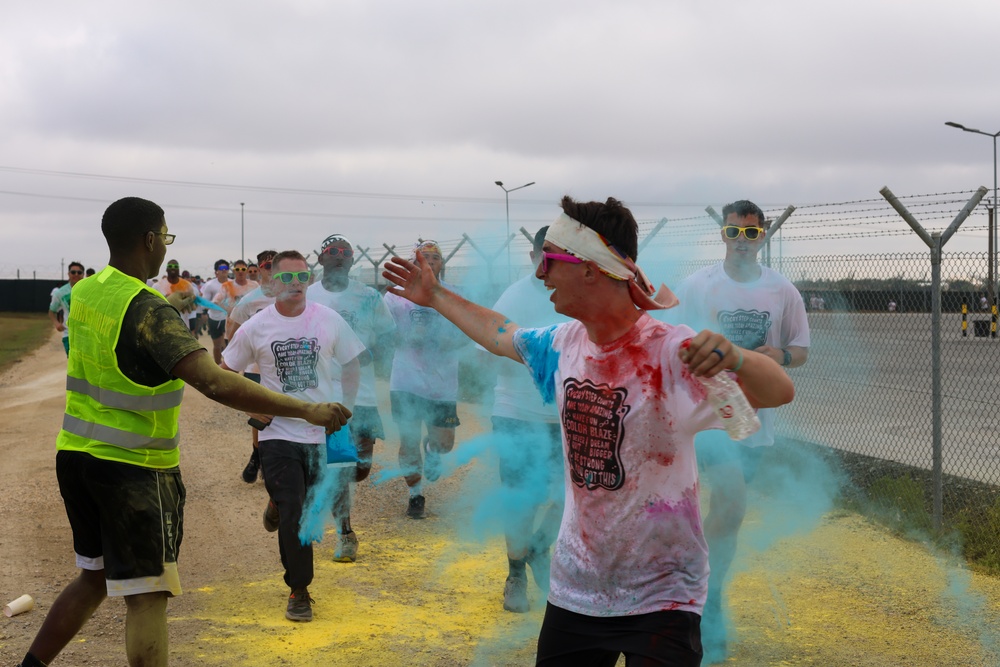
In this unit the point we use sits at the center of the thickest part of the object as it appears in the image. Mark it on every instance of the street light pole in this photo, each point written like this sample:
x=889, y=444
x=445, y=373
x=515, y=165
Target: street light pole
x=242, y=251
x=506, y=197
x=993, y=234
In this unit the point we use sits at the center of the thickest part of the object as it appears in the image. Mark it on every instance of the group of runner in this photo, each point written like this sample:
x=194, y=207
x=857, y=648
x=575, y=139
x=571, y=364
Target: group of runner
x=616, y=487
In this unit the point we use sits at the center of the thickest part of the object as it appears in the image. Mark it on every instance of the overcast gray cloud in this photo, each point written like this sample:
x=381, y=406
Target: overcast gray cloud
x=426, y=104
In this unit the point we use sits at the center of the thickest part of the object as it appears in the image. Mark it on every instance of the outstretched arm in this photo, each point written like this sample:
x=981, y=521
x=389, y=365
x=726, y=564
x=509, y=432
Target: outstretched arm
x=416, y=282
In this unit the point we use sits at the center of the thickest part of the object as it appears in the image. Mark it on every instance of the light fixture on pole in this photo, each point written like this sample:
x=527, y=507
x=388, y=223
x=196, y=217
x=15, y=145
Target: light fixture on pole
x=506, y=197
x=993, y=237
x=242, y=251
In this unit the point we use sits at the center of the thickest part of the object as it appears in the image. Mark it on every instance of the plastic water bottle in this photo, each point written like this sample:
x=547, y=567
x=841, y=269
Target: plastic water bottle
x=737, y=415
x=730, y=403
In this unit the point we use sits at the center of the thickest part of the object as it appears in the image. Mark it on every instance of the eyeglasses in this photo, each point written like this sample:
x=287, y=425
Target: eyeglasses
x=333, y=251
x=558, y=256
x=167, y=238
x=288, y=276
x=239, y=268
x=75, y=273
x=266, y=266
x=222, y=267
x=733, y=232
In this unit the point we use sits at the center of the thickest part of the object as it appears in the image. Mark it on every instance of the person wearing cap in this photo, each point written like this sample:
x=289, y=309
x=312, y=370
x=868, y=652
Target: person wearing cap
x=213, y=291
x=365, y=311
x=174, y=282
x=758, y=309
x=252, y=303
x=423, y=384
x=630, y=567
x=60, y=301
x=118, y=455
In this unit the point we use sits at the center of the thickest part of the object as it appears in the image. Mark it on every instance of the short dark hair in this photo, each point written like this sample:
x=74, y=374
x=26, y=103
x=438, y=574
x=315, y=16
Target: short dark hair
x=539, y=240
x=220, y=262
x=265, y=255
x=287, y=254
x=127, y=221
x=72, y=264
x=611, y=220
x=240, y=261
x=743, y=208
x=252, y=265
x=90, y=272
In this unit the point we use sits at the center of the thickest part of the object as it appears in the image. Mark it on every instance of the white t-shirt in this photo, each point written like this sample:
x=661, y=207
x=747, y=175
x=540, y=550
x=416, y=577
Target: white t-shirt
x=766, y=311
x=299, y=356
x=427, y=350
x=631, y=539
x=166, y=288
x=251, y=304
x=366, y=313
x=527, y=303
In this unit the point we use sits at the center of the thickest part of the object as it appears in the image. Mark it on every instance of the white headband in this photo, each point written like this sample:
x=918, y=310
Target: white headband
x=587, y=244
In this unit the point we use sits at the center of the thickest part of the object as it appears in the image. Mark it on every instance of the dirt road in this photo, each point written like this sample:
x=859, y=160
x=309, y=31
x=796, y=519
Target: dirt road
x=428, y=592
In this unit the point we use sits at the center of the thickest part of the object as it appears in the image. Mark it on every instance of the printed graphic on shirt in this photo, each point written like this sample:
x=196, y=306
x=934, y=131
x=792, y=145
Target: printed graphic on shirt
x=746, y=328
x=592, y=419
x=351, y=318
x=422, y=317
x=295, y=360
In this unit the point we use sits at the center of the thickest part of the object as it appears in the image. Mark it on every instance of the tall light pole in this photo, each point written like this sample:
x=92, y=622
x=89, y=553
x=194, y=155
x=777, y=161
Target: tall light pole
x=993, y=231
x=243, y=255
x=506, y=197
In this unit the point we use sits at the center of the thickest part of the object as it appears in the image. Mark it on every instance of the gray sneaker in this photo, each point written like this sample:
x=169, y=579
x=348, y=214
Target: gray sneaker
x=515, y=595
x=346, y=550
x=299, y=606
x=271, y=517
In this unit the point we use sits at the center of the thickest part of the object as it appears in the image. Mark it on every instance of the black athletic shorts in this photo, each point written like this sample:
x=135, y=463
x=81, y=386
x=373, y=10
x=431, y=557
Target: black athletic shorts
x=661, y=638
x=216, y=328
x=407, y=407
x=126, y=519
x=366, y=422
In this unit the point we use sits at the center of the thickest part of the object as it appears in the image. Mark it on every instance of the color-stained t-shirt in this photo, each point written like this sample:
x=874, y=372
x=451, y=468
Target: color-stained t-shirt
x=369, y=317
x=631, y=538
x=300, y=356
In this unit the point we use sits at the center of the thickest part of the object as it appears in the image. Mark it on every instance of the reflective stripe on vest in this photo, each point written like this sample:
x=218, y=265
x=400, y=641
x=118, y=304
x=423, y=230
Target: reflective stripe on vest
x=114, y=436
x=120, y=401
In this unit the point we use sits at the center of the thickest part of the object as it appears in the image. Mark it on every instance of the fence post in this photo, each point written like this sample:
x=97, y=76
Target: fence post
x=935, y=242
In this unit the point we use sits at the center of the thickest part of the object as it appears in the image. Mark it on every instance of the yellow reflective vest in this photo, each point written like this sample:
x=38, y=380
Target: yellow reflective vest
x=108, y=415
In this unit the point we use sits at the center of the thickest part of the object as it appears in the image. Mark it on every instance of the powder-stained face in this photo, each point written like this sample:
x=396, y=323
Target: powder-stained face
x=292, y=293
x=338, y=257
x=435, y=260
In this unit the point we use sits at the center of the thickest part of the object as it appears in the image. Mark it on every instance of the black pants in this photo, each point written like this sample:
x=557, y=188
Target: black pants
x=658, y=639
x=290, y=469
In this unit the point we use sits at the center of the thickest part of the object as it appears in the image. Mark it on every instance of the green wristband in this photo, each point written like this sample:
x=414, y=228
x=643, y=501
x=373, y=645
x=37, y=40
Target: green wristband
x=739, y=364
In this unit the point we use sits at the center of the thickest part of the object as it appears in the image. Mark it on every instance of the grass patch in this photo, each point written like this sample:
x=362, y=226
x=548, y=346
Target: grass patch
x=22, y=333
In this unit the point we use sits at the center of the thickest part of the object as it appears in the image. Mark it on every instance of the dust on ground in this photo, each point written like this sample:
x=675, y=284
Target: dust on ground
x=428, y=592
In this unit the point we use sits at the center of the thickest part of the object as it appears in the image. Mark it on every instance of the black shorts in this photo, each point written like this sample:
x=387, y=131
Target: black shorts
x=366, y=422
x=126, y=519
x=216, y=328
x=660, y=638
x=407, y=407
x=253, y=377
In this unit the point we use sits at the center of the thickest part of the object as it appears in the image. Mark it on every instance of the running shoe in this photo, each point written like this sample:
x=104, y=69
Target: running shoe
x=346, y=550
x=416, y=508
x=253, y=468
x=271, y=517
x=515, y=595
x=299, y=606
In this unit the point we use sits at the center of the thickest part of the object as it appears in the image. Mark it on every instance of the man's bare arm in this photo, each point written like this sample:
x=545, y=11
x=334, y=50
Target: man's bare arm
x=416, y=282
x=234, y=391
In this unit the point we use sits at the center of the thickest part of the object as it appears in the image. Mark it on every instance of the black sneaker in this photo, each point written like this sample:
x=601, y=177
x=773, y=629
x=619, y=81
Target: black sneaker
x=299, y=606
x=271, y=517
x=416, y=508
x=252, y=469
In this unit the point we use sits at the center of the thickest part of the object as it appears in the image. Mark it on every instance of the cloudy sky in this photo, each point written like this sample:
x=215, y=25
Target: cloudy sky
x=388, y=121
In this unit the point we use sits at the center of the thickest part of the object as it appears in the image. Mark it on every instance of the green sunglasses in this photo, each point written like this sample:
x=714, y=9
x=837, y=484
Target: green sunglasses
x=288, y=276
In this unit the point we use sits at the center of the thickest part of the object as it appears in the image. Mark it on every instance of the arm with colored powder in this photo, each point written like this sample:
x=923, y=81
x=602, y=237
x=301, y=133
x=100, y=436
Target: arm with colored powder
x=416, y=282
